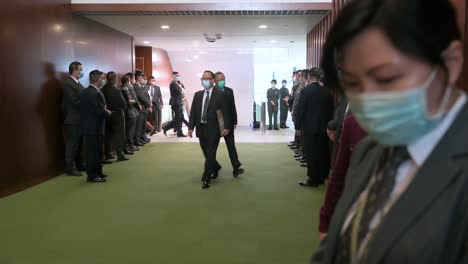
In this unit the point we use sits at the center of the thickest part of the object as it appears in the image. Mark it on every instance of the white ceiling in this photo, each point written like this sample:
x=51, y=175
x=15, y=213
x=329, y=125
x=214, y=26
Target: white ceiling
x=237, y=31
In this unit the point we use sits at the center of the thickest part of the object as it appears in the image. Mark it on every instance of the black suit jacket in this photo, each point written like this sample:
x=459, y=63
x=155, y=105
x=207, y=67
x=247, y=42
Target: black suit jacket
x=132, y=111
x=92, y=112
x=115, y=100
x=429, y=222
x=71, y=101
x=314, y=109
x=176, y=94
x=230, y=103
x=143, y=97
x=216, y=103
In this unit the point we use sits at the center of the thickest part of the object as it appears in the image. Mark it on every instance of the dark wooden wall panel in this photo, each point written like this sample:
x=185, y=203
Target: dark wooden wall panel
x=38, y=40
x=145, y=53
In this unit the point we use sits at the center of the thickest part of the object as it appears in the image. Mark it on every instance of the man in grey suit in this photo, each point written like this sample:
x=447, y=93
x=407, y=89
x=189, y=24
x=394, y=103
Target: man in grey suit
x=143, y=98
x=131, y=113
x=157, y=102
x=71, y=110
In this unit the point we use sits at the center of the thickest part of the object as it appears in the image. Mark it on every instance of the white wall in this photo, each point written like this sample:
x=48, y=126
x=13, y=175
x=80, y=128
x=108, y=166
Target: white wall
x=235, y=64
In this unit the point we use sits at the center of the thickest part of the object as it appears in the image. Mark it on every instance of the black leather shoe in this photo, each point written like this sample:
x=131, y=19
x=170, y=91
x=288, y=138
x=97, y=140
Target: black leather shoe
x=299, y=158
x=215, y=174
x=304, y=165
x=309, y=184
x=276, y=128
x=122, y=159
x=97, y=180
x=297, y=155
x=109, y=157
x=74, y=173
x=294, y=147
x=103, y=175
x=302, y=161
x=139, y=144
x=106, y=162
x=205, y=185
x=182, y=135
x=128, y=152
x=237, y=172
x=270, y=128
x=286, y=127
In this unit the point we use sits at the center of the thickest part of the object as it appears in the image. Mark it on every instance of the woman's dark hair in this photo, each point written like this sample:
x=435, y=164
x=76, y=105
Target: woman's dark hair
x=420, y=29
x=125, y=79
x=274, y=81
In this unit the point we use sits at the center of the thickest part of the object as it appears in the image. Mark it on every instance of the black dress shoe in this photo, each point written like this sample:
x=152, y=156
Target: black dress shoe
x=270, y=128
x=139, y=144
x=304, y=165
x=74, y=173
x=297, y=155
x=122, y=159
x=308, y=184
x=286, y=127
x=109, y=157
x=302, y=161
x=294, y=147
x=106, y=162
x=299, y=158
x=128, y=152
x=97, y=179
x=215, y=174
x=205, y=185
x=182, y=135
x=276, y=128
x=135, y=148
x=237, y=172
x=103, y=175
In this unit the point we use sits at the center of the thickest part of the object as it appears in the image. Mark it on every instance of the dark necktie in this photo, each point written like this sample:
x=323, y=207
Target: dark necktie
x=205, y=107
x=379, y=193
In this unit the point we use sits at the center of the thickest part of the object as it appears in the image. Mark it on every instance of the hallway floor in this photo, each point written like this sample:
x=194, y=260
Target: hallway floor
x=153, y=210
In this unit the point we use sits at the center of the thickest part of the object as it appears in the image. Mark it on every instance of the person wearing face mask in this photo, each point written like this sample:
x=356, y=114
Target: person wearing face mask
x=176, y=103
x=145, y=102
x=273, y=99
x=405, y=198
x=93, y=112
x=230, y=106
x=130, y=115
x=204, y=117
x=133, y=115
x=115, y=130
x=284, y=97
x=72, y=89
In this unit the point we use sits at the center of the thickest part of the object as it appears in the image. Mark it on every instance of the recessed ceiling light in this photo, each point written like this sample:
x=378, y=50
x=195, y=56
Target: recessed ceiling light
x=203, y=52
x=274, y=41
x=165, y=27
x=146, y=42
x=263, y=26
x=196, y=57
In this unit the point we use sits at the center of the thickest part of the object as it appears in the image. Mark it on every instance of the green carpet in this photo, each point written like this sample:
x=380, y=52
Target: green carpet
x=153, y=210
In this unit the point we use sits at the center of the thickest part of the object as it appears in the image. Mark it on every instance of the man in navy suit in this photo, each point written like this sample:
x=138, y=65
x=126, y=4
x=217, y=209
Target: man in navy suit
x=93, y=112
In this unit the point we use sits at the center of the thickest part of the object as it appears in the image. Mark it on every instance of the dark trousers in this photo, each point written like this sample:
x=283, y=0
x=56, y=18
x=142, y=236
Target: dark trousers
x=141, y=126
x=231, y=146
x=176, y=122
x=116, y=136
x=93, y=150
x=209, y=145
x=273, y=113
x=130, y=127
x=108, y=146
x=317, y=153
x=73, y=146
x=283, y=114
x=157, y=117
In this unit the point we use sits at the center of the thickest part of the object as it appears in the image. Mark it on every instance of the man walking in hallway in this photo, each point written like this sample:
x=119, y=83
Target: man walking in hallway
x=71, y=110
x=93, y=112
x=176, y=103
x=284, y=97
x=273, y=98
x=204, y=117
x=230, y=106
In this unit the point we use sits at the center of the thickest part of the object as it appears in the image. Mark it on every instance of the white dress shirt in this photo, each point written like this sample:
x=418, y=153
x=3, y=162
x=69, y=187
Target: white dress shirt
x=74, y=79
